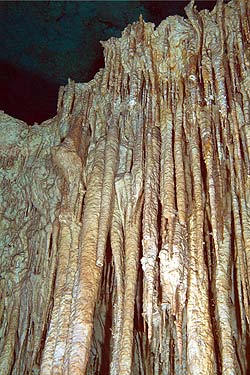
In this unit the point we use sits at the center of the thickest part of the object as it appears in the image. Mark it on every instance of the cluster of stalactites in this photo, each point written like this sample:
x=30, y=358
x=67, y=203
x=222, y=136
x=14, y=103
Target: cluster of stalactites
x=182, y=98
x=166, y=179
x=154, y=164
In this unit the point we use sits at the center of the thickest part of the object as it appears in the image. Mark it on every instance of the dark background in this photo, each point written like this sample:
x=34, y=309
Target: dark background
x=45, y=42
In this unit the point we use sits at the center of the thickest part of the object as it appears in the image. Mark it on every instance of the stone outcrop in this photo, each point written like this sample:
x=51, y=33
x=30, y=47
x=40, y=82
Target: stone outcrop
x=125, y=219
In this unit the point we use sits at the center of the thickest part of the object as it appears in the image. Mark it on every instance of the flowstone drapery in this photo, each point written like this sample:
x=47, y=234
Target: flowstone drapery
x=125, y=219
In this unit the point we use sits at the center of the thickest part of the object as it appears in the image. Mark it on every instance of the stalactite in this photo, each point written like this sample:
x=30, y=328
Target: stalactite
x=132, y=239
x=125, y=225
x=117, y=243
x=110, y=163
x=150, y=213
x=87, y=278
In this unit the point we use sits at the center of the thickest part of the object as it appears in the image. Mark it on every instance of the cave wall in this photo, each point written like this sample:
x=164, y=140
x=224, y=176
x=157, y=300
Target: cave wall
x=125, y=228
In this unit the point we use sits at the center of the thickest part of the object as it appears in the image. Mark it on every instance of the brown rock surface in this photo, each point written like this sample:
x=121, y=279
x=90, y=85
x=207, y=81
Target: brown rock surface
x=125, y=219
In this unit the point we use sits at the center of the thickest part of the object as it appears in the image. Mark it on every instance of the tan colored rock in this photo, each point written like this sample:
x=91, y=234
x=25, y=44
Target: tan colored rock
x=125, y=219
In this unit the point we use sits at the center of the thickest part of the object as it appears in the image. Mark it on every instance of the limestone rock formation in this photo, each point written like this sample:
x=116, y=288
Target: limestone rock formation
x=125, y=219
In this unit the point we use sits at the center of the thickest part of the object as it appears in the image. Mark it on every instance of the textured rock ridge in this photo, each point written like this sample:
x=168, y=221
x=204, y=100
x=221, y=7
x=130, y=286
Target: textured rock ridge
x=125, y=219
